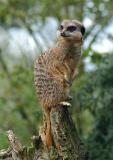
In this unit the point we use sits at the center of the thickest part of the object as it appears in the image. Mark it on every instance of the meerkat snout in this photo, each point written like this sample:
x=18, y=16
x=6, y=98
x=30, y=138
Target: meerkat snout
x=63, y=34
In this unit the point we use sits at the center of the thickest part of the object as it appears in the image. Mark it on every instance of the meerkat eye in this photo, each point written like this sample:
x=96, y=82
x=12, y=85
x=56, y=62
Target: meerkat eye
x=71, y=28
x=82, y=30
x=61, y=27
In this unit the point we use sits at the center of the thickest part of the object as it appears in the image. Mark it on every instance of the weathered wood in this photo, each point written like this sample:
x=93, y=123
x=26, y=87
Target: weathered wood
x=66, y=139
x=17, y=151
x=67, y=144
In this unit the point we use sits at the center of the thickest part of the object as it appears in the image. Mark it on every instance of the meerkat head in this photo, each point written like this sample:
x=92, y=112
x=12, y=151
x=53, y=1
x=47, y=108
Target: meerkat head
x=72, y=30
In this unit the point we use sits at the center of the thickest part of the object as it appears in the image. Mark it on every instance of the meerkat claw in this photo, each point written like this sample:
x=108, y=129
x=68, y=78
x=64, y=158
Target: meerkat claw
x=65, y=104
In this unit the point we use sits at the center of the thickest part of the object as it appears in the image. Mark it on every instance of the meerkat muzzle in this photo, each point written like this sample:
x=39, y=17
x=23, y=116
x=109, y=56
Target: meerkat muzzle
x=63, y=34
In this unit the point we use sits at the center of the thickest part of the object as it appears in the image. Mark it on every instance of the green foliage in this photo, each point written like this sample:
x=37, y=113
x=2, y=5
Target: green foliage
x=92, y=92
x=18, y=102
x=96, y=95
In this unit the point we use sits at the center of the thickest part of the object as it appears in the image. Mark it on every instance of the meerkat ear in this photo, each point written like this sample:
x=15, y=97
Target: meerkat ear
x=82, y=30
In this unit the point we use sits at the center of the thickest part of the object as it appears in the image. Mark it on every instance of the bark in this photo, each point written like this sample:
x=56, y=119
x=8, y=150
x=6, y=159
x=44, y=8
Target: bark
x=65, y=135
x=67, y=144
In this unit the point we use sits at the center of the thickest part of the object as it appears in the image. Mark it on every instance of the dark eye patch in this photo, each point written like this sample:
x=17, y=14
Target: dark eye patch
x=82, y=30
x=71, y=28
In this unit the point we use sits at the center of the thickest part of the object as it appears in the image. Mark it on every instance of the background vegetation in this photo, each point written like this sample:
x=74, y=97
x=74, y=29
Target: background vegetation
x=28, y=28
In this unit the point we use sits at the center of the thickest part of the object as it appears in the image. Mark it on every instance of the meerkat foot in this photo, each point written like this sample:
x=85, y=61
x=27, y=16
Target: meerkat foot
x=65, y=104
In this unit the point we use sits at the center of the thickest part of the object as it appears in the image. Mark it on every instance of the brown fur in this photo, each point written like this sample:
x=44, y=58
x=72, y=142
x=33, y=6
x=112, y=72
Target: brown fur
x=55, y=71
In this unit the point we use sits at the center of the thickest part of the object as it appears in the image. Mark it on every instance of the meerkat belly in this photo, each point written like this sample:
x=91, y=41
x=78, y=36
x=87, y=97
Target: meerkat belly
x=72, y=63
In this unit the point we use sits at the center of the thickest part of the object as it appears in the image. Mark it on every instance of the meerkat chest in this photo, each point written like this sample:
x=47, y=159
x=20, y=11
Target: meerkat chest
x=70, y=62
x=72, y=59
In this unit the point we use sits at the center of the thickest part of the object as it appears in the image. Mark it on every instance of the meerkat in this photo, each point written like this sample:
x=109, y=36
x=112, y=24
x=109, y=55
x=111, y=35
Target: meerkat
x=55, y=70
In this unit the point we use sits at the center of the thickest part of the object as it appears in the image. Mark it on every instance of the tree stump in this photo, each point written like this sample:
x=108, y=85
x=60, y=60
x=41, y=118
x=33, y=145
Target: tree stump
x=67, y=144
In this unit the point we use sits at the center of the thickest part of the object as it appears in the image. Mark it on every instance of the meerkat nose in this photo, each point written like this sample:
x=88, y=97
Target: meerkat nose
x=62, y=34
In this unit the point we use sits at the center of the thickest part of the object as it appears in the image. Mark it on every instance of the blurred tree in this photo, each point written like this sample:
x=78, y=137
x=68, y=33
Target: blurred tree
x=17, y=98
x=95, y=95
x=26, y=13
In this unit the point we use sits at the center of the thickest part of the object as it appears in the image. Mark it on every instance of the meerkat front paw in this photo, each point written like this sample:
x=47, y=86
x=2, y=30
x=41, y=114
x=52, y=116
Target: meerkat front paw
x=65, y=104
x=69, y=98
